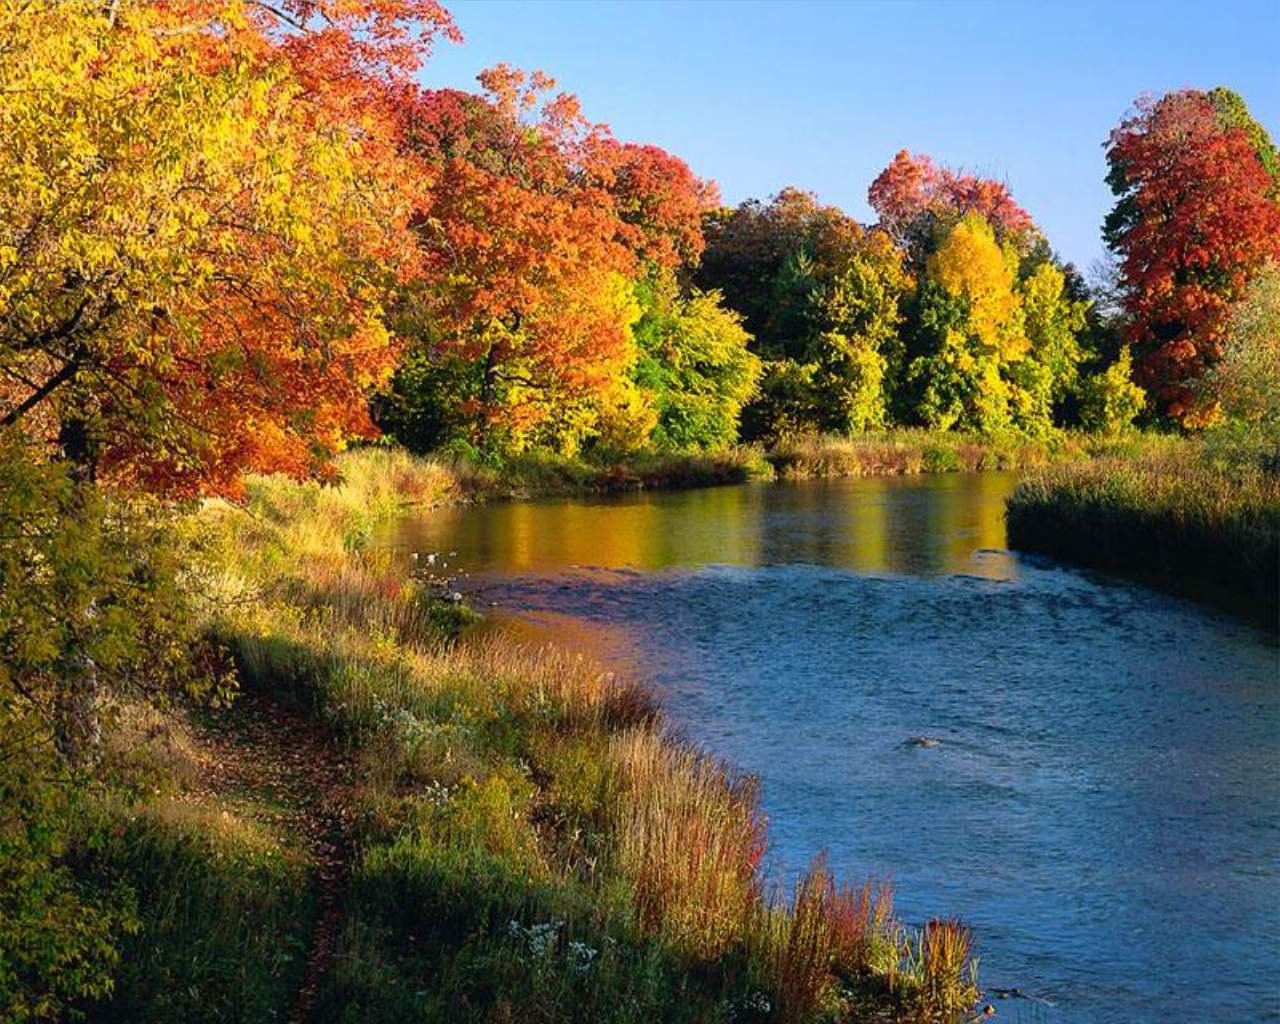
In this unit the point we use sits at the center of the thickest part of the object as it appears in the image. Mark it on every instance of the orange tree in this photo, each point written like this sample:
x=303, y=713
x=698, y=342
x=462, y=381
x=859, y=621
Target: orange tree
x=197, y=233
x=533, y=226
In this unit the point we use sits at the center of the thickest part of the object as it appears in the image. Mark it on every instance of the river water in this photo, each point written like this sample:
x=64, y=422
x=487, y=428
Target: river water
x=1102, y=803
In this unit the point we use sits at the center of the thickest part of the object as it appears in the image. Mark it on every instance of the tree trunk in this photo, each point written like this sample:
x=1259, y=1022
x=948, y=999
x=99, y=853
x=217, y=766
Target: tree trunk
x=488, y=393
x=79, y=727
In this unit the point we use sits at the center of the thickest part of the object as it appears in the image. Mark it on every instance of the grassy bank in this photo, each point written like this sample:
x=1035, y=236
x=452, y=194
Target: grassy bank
x=546, y=474
x=386, y=479
x=909, y=451
x=528, y=842
x=1176, y=516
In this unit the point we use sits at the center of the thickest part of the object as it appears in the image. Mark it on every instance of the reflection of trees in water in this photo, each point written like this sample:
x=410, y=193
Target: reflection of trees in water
x=874, y=525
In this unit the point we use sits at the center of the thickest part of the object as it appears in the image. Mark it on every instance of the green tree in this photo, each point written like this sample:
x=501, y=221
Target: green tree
x=1110, y=400
x=855, y=346
x=1053, y=322
x=1244, y=387
x=92, y=587
x=694, y=361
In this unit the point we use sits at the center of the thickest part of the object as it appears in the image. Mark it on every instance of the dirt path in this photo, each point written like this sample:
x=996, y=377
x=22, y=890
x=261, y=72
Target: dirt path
x=294, y=777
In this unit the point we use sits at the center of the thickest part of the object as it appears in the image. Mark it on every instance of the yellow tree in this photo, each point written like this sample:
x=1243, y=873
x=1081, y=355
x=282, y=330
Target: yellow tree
x=970, y=326
x=971, y=265
x=194, y=246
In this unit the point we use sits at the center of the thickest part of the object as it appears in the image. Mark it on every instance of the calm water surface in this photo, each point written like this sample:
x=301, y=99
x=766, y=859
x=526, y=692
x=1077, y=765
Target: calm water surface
x=1104, y=802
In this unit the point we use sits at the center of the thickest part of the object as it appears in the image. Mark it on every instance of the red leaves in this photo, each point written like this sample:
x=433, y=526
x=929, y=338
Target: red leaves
x=1193, y=224
x=658, y=200
x=912, y=191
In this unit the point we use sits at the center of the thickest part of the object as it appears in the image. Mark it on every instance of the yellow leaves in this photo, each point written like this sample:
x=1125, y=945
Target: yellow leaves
x=185, y=194
x=970, y=264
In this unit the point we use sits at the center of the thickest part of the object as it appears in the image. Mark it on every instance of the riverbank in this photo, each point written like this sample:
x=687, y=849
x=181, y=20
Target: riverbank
x=523, y=840
x=507, y=828
x=391, y=474
x=1177, y=517
x=908, y=451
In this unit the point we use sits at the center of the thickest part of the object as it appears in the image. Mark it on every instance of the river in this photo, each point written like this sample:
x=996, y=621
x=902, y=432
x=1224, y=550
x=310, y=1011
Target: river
x=1102, y=803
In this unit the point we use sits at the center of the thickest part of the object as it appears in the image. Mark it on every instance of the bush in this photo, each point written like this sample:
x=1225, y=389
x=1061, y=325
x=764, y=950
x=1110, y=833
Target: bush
x=1110, y=401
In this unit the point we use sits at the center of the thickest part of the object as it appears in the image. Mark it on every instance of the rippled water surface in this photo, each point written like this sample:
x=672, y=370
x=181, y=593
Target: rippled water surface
x=1104, y=802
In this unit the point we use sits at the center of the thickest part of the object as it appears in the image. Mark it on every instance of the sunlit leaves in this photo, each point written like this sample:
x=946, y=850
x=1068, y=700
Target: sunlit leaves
x=914, y=198
x=1196, y=217
x=197, y=245
x=532, y=227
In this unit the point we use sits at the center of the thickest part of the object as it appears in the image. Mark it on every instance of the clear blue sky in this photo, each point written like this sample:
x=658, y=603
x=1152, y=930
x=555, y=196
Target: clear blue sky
x=821, y=95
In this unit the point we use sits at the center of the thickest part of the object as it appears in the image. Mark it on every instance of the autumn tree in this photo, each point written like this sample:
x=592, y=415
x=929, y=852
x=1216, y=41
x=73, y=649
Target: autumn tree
x=202, y=212
x=194, y=244
x=824, y=297
x=759, y=256
x=994, y=338
x=534, y=227
x=658, y=200
x=1195, y=219
x=917, y=199
x=995, y=332
x=970, y=327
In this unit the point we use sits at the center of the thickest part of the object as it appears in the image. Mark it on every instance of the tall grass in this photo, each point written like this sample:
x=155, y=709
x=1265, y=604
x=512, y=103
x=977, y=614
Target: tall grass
x=690, y=839
x=1178, y=516
x=907, y=451
x=827, y=941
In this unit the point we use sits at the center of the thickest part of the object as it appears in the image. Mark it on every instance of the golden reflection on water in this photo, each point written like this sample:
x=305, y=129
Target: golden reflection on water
x=906, y=525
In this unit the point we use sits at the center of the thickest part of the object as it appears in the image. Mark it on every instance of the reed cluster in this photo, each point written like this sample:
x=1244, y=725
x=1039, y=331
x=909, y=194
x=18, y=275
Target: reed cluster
x=1181, y=515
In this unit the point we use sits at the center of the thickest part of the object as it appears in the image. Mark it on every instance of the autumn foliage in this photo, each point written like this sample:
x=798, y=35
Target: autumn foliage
x=201, y=218
x=1196, y=219
x=532, y=230
x=913, y=194
x=237, y=236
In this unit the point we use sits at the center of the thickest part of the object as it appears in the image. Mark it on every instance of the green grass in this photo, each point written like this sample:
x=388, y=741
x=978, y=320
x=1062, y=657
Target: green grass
x=225, y=910
x=1177, y=516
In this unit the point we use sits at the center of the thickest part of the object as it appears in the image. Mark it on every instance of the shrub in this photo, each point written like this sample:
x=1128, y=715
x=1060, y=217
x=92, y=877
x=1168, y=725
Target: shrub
x=1110, y=401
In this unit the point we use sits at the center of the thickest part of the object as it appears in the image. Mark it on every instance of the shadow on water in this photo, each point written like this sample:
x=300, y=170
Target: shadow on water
x=1085, y=770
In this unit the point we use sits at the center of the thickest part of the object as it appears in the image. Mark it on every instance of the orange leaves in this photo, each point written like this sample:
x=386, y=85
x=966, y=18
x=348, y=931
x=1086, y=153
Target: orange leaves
x=658, y=200
x=1193, y=223
x=202, y=286
x=532, y=224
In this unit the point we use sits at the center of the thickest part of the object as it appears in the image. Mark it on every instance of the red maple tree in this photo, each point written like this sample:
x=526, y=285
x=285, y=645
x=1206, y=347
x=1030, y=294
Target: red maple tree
x=1193, y=223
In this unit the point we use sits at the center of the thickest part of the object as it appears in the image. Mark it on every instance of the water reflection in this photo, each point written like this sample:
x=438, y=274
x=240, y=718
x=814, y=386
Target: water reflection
x=936, y=525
